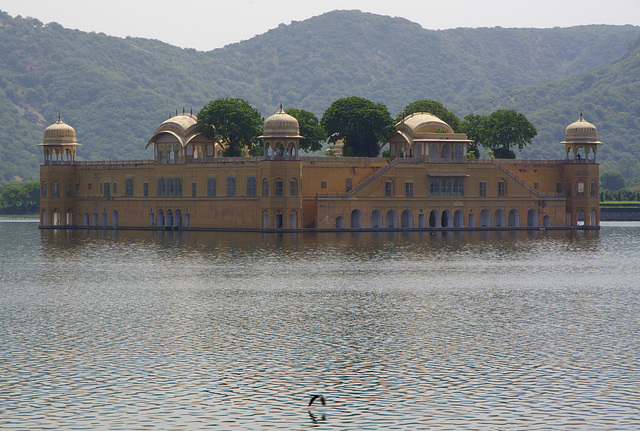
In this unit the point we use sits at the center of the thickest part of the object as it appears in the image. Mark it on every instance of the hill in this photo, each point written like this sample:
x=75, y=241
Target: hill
x=115, y=91
x=610, y=98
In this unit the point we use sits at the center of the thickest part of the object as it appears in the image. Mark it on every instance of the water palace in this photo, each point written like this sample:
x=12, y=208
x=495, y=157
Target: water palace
x=428, y=183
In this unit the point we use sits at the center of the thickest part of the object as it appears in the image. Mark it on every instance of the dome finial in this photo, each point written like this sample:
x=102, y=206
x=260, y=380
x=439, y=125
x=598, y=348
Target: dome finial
x=581, y=117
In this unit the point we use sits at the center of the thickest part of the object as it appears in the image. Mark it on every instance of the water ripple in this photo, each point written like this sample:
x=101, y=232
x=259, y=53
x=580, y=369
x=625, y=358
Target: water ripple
x=137, y=330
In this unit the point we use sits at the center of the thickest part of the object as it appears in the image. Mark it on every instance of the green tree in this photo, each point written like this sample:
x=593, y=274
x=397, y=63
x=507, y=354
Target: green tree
x=500, y=131
x=472, y=126
x=233, y=122
x=612, y=180
x=310, y=127
x=432, y=107
x=362, y=124
x=13, y=199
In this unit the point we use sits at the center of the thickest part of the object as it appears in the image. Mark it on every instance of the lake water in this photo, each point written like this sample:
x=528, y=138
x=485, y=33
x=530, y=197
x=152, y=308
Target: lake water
x=151, y=330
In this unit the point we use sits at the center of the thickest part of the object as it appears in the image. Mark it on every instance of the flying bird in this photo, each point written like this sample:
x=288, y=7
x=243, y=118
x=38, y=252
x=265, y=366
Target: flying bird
x=315, y=397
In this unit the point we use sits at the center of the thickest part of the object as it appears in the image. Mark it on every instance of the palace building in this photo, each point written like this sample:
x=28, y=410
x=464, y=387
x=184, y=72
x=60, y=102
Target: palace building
x=428, y=183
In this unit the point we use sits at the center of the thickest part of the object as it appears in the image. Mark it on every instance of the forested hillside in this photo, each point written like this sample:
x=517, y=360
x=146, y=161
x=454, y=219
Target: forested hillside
x=609, y=96
x=116, y=91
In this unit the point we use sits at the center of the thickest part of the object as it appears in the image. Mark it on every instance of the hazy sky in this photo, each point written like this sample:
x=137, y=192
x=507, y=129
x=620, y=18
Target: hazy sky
x=206, y=25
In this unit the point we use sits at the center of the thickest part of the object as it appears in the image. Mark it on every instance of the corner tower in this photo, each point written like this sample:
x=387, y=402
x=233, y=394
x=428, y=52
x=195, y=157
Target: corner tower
x=581, y=141
x=581, y=174
x=59, y=143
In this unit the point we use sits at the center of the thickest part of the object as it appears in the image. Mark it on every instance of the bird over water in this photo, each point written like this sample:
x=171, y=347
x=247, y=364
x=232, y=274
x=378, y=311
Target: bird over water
x=315, y=397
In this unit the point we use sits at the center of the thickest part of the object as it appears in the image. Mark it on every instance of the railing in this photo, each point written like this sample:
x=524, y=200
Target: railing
x=533, y=161
x=343, y=159
x=100, y=162
x=224, y=160
x=332, y=195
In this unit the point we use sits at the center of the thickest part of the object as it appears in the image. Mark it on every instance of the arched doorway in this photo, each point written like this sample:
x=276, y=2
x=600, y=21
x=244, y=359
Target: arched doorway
x=445, y=219
x=532, y=218
x=168, y=222
x=458, y=219
x=356, y=219
x=406, y=219
x=499, y=218
x=293, y=220
x=340, y=222
x=434, y=218
x=376, y=219
x=485, y=218
x=546, y=221
x=160, y=220
x=278, y=220
x=514, y=218
x=177, y=218
x=392, y=219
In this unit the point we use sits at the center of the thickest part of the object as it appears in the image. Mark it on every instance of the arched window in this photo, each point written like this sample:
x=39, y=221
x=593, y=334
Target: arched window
x=55, y=190
x=278, y=186
x=435, y=153
x=457, y=153
x=44, y=190
x=446, y=153
x=580, y=189
x=265, y=187
x=293, y=187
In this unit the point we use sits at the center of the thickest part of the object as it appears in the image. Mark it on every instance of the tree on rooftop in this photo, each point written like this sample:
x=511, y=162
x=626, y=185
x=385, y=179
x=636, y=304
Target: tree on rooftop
x=500, y=131
x=234, y=123
x=310, y=127
x=361, y=123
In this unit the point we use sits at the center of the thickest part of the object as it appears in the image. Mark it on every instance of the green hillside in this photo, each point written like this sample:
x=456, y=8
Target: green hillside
x=115, y=91
x=609, y=96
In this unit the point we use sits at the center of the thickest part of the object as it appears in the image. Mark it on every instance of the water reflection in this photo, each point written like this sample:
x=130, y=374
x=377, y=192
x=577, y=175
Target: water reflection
x=452, y=330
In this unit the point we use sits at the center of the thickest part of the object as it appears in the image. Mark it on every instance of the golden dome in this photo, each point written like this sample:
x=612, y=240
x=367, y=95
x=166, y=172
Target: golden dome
x=281, y=124
x=59, y=133
x=424, y=122
x=181, y=121
x=581, y=131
